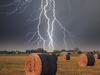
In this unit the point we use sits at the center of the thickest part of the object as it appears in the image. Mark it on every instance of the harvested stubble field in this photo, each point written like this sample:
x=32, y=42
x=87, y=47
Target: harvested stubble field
x=14, y=65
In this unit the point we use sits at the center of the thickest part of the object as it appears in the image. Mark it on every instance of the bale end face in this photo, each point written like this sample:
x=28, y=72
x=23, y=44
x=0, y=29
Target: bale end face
x=41, y=64
x=33, y=65
x=86, y=60
x=64, y=57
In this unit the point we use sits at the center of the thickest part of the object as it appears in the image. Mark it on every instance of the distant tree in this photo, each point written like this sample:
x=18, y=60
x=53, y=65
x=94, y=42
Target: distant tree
x=33, y=51
x=57, y=52
x=79, y=52
x=4, y=52
x=76, y=49
x=63, y=50
x=19, y=52
x=40, y=50
x=11, y=52
x=28, y=51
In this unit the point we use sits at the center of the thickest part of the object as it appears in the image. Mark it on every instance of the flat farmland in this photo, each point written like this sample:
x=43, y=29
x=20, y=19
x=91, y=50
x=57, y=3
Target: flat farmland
x=14, y=65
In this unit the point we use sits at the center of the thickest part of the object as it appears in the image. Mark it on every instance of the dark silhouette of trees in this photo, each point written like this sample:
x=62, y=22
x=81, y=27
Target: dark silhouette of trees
x=40, y=50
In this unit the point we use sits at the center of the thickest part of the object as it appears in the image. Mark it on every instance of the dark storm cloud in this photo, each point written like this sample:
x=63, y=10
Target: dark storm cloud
x=80, y=17
x=84, y=22
x=13, y=28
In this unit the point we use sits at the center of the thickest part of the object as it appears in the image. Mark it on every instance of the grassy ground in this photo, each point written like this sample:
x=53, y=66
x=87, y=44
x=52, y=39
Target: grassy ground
x=14, y=65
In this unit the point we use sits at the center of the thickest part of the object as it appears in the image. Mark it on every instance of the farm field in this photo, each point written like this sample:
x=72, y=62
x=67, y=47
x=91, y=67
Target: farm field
x=14, y=65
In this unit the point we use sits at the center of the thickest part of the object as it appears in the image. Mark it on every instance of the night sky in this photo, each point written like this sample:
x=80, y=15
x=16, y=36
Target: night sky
x=80, y=17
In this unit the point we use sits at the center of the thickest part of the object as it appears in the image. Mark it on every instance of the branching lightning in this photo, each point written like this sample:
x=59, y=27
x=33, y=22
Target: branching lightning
x=18, y=5
x=50, y=23
x=48, y=11
x=39, y=25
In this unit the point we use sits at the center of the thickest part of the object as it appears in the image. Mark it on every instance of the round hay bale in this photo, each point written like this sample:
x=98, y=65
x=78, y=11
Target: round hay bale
x=97, y=56
x=87, y=60
x=64, y=57
x=41, y=64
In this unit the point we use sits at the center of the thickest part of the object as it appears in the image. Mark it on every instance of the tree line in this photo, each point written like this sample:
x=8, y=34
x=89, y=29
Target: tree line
x=39, y=50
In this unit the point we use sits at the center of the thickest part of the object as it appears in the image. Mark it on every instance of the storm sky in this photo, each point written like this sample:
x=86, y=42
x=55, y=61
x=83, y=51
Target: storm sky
x=80, y=17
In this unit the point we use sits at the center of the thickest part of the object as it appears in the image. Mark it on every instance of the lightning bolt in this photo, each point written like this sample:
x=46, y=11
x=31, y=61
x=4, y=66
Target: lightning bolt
x=50, y=32
x=50, y=23
x=40, y=16
x=48, y=11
